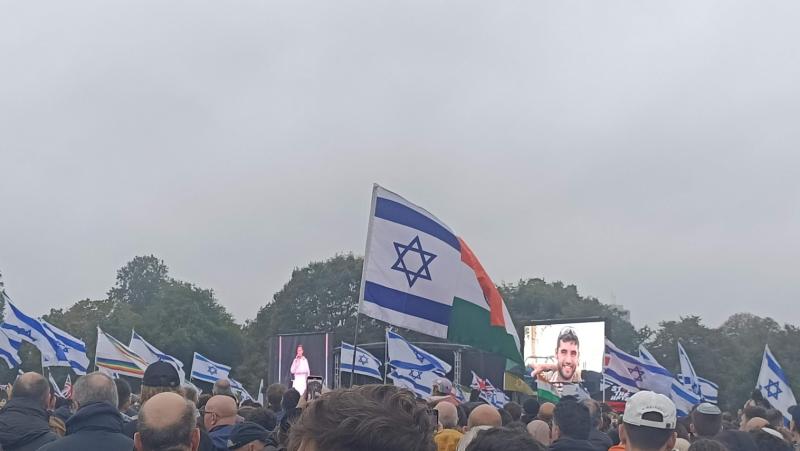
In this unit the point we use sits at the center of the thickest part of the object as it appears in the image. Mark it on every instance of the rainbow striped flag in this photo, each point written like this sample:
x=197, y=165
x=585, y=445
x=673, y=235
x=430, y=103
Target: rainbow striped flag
x=113, y=356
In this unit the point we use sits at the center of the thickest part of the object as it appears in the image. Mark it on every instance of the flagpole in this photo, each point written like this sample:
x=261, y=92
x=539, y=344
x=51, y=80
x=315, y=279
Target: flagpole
x=386, y=356
x=363, y=279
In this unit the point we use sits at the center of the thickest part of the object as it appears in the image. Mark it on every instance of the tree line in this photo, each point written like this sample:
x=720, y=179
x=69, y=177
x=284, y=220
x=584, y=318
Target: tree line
x=181, y=318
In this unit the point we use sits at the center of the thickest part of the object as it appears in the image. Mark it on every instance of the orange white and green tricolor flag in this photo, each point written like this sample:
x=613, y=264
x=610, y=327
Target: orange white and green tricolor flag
x=113, y=356
x=418, y=274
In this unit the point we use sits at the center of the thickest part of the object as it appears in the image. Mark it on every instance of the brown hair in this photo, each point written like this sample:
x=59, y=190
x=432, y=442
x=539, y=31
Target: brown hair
x=148, y=392
x=368, y=417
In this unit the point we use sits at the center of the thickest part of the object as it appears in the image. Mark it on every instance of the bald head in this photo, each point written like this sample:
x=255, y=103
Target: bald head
x=167, y=421
x=484, y=415
x=220, y=410
x=95, y=387
x=32, y=386
x=546, y=411
x=222, y=387
x=448, y=415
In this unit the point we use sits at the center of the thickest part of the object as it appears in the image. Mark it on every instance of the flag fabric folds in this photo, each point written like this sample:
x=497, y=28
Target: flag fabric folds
x=419, y=381
x=404, y=355
x=418, y=274
x=74, y=348
x=239, y=389
x=709, y=390
x=67, y=390
x=207, y=370
x=366, y=363
x=773, y=384
x=21, y=327
x=488, y=392
x=151, y=354
x=260, y=396
x=9, y=350
x=113, y=357
x=54, y=388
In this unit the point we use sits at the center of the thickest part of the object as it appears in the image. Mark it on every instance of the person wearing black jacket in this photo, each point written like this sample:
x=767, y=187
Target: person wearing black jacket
x=24, y=419
x=97, y=425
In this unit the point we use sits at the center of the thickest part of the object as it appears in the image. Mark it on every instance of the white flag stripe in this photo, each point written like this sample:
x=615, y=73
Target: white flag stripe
x=386, y=194
x=403, y=320
x=773, y=384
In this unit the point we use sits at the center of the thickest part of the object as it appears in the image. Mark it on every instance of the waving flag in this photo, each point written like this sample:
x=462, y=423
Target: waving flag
x=9, y=350
x=366, y=363
x=54, y=389
x=419, y=275
x=111, y=356
x=207, y=370
x=238, y=388
x=774, y=385
x=489, y=392
x=419, y=381
x=21, y=327
x=403, y=354
x=74, y=348
x=150, y=354
x=260, y=395
x=67, y=390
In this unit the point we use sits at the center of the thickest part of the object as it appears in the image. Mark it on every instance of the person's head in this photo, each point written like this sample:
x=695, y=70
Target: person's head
x=754, y=424
x=94, y=387
x=290, y=399
x=706, y=420
x=190, y=393
x=531, y=407
x=540, y=431
x=546, y=412
x=299, y=350
x=275, y=395
x=167, y=422
x=248, y=436
x=32, y=387
x=775, y=418
x=448, y=415
x=514, y=409
x=159, y=377
x=571, y=419
x=768, y=439
x=503, y=439
x=595, y=412
x=259, y=415
x=222, y=387
x=705, y=444
x=648, y=423
x=220, y=410
x=567, y=352
x=380, y=417
x=751, y=411
x=484, y=415
x=123, y=394
x=505, y=417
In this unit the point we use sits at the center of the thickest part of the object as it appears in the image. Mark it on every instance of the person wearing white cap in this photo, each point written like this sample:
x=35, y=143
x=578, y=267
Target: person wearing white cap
x=648, y=423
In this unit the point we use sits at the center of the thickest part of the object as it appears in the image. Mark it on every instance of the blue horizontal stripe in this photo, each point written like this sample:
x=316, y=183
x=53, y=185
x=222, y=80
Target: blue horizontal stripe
x=621, y=380
x=417, y=386
x=407, y=303
x=204, y=377
x=38, y=327
x=691, y=398
x=630, y=359
x=399, y=213
x=10, y=358
x=362, y=369
x=211, y=362
x=773, y=365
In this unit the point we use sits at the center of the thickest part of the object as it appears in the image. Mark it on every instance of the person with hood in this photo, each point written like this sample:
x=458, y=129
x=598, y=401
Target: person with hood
x=24, y=420
x=97, y=424
x=249, y=436
x=571, y=427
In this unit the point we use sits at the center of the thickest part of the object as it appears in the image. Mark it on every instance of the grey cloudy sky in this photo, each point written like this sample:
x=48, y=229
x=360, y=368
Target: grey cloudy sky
x=645, y=151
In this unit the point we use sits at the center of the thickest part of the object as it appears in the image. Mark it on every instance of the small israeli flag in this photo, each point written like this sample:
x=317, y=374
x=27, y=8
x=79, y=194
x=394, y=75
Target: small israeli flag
x=774, y=385
x=207, y=370
x=404, y=355
x=366, y=363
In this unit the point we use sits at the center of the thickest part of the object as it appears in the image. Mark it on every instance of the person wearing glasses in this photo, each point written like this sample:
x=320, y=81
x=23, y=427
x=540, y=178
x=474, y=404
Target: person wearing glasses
x=566, y=370
x=219, y=418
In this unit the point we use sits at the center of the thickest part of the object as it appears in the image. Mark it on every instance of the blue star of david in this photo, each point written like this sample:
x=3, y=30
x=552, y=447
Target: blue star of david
x=212, y=370
x=362, y=359
x=773, y=389
x=425, y=258
x=419, y=356
x=415, y=374
x=637, y=373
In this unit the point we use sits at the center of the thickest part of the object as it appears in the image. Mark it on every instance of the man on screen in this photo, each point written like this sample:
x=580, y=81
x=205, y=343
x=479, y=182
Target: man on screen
x=300, y=371
x=566, y=369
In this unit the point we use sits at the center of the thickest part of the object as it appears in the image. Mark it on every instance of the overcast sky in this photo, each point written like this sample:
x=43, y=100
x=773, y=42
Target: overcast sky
x=647, y=152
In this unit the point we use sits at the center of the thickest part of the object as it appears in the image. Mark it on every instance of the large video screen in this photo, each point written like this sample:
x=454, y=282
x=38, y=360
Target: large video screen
x=561, y=350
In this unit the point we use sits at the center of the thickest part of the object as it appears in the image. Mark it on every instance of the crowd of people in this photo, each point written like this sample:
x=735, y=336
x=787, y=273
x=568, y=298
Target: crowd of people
x=167, y=415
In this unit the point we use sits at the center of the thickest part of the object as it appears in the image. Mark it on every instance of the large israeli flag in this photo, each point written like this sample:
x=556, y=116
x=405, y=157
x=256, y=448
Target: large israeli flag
x=9, y=350
x=21, y=327
x=634, y=373
x=74, y=348
x=151, y=354
x=682, y=396
x=709, y=390
x=774, y=385
x=419, y=382
x=404, y=355
x=207, y=370
x=366, y=363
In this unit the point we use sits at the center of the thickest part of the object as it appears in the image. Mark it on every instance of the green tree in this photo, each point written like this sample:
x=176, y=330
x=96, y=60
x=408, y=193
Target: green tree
x=139, y=281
